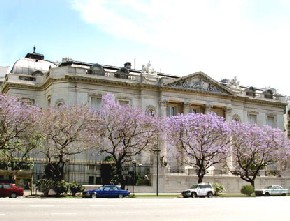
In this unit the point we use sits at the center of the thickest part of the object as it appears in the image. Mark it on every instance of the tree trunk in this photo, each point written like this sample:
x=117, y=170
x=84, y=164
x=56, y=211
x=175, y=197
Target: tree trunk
x=60, y=165
x=200, y=174
x=200, y=178
x=252, y=183
x=119, y=174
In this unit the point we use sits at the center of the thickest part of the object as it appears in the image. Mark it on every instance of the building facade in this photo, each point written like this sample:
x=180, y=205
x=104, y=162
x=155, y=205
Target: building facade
x=45, y=83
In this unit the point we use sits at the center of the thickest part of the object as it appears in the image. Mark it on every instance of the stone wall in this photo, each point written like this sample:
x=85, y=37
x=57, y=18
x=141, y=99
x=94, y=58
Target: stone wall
x=175, y=183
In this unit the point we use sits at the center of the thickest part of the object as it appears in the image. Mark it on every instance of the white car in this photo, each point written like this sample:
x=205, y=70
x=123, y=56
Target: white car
x=199, y=190
x=273, y=190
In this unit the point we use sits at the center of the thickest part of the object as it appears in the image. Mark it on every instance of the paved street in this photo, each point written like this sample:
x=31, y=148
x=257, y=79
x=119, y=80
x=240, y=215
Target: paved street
x=149, y=209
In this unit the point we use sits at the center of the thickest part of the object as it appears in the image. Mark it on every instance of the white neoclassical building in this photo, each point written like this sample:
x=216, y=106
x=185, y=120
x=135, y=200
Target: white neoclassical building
x=70, y=82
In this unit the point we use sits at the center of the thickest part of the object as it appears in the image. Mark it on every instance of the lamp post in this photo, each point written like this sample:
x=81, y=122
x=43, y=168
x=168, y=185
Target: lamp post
x=32, y=180
x=134, y=176
x=157, y=150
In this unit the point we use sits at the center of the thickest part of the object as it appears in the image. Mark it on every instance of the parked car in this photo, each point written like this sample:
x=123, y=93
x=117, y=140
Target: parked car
x=199, y=190
x=106, y=191
x=10, y=190
x=273, y=190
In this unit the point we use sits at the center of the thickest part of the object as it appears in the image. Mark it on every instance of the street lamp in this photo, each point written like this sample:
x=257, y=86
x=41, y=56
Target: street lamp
x=134, y=175
x=157, y=150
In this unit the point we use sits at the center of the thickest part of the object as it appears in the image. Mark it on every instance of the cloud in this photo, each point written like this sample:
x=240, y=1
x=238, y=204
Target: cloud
x=219, y=36
x=159, y=23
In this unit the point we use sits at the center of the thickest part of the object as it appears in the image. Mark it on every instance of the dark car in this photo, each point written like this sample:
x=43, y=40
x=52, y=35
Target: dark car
x=10, y=190
x=106, y=191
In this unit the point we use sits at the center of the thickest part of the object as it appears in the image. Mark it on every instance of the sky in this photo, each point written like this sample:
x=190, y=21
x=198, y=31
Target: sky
x=247, y=39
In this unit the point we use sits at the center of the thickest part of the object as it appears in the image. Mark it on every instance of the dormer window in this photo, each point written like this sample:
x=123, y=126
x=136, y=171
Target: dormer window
x=124, y=72
x=251, y=91
x=268, y=94
x=97, y=69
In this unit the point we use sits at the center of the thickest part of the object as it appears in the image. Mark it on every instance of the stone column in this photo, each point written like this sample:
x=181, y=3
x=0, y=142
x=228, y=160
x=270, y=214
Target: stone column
x=228, y=112
x=186, y=106
x=208, y=108
x=163, y=107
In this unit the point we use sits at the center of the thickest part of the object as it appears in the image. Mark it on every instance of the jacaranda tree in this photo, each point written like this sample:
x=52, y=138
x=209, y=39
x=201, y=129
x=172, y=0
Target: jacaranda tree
x=126, y=132
x=254, y=147
x=200, y=140
x=67, y=131
x=18, y=131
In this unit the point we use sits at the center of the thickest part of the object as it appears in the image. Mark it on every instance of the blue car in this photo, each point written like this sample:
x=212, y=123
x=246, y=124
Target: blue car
x=106, y=191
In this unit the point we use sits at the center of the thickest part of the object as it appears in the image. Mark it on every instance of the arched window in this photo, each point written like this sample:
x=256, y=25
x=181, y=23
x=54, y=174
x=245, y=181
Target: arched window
x=97, y=69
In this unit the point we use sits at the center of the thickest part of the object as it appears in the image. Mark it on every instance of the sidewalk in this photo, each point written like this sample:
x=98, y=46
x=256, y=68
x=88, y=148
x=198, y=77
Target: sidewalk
x=28, y=193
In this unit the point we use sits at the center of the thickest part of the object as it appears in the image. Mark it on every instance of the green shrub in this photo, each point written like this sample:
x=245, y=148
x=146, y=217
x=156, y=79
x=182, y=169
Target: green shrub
x=60, y=187
x=75, y=188
x=247, y=190
x=218, y=188
x=44, y=185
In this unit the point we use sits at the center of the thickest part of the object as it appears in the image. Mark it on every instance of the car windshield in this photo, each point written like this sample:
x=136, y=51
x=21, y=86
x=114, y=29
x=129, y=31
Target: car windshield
x=273, y=187
x=194, y=186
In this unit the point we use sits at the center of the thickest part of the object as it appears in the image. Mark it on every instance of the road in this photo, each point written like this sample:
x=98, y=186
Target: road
x=149, y=209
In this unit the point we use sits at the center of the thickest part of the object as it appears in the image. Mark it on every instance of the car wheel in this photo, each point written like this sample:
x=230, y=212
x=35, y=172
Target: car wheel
x=121, y=196
x=94, y=195
x=13, y=195
x=209, y=194
x=267, y=194
x=193, y=195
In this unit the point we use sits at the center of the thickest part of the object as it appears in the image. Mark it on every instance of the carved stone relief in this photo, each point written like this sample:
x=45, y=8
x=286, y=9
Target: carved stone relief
x=198, y=84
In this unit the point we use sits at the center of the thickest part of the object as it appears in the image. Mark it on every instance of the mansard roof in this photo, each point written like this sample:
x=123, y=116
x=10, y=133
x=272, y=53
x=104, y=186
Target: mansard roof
x=199, y=81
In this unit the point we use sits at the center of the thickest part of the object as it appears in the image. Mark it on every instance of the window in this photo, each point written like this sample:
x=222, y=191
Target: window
x=171, y=111
x=96, y=102
x=252, y=118
x=270, y=121
x=91, y=180
x=96, y=69
x=219, y=111
x=91, y=167
x=251, y=91
x=124, y=102
x=174, y=108
x=194, y=111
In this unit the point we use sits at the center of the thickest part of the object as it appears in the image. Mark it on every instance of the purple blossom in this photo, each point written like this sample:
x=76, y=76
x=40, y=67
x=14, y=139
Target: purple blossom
x=202, y=140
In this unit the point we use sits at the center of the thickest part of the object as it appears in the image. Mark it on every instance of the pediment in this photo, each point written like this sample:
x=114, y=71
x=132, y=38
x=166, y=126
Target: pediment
x=202, y=82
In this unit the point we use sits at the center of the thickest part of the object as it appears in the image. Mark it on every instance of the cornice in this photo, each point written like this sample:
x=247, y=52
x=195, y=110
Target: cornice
x=136, y=85
x=139, y=86
x=229, y=97
x=9, y=85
